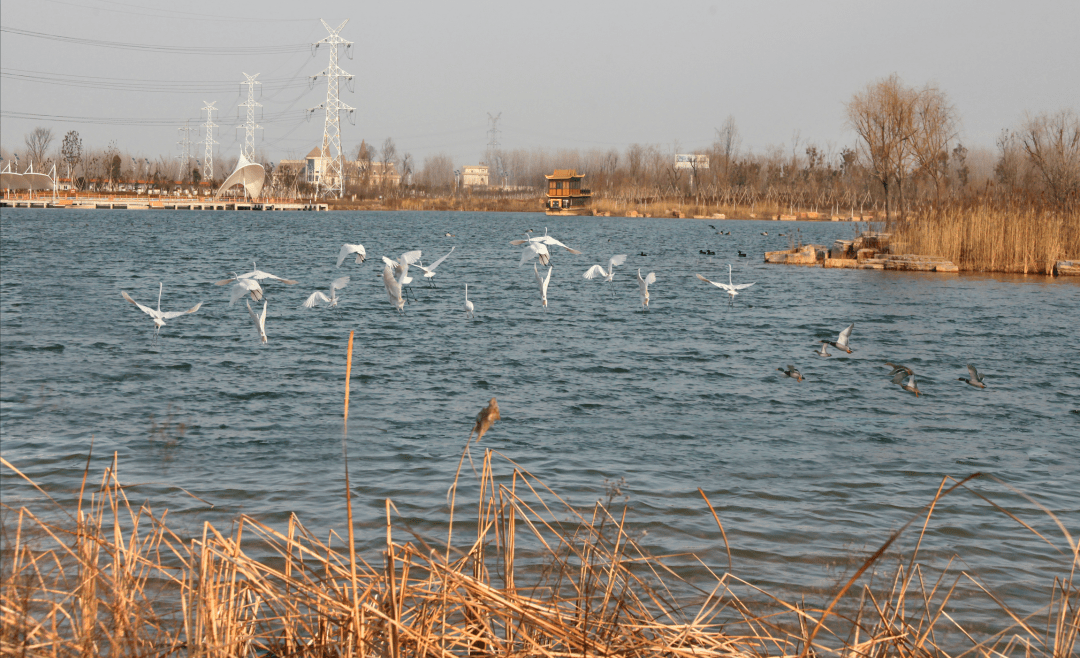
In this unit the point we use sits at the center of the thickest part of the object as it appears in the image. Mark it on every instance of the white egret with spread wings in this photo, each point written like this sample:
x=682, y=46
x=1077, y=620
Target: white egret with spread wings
x=157, y=315
x=643, y=287
x=347, y=249
x=730, y=288
x=609, y=273
x=429, y=271
x=260, y=321
x=536, y=247
x=543, y=281
x=319, y=296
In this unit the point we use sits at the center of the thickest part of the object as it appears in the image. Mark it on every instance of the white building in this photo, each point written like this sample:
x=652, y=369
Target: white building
x=474, y=175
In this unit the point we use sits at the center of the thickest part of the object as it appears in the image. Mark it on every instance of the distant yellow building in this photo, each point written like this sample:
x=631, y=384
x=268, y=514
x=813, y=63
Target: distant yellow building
x=565, y=196
x=475, y=175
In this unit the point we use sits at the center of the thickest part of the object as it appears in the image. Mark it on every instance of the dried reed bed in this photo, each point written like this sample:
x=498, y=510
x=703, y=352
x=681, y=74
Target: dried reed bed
x=533, y=576
x=988, y=238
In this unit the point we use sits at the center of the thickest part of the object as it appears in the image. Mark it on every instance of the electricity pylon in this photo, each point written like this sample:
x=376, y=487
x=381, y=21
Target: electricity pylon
x=185, y=146
x=208, y=152
x=332, y=178
x=249, y=125
x=493, y=131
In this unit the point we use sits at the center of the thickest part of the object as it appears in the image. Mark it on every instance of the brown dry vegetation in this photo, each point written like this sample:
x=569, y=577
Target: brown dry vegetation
x=533, y=576
x=989, y=238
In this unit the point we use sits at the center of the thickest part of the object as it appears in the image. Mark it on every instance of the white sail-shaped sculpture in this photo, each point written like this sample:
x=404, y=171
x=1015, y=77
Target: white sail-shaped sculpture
x=249, y=174
x=13, y=180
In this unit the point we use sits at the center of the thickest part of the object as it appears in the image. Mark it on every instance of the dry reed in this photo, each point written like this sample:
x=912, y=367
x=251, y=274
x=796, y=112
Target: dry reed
x=534, y=576
x=986, y=238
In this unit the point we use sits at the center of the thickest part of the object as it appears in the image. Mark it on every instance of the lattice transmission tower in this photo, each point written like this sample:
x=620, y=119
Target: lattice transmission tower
x=249, y=125
x=493, y=132
x=208, y=152
x=185, y=148
x=332, y=178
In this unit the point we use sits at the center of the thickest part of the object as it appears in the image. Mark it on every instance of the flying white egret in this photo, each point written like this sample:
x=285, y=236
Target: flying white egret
x=976, y=379
x=535, y=250
x=728, y=287
x=243, y=286
x=841, y=342
x=257, y=275
x=543, y=281
x=402, y=264
x=643, y=287
x=468, y=304
x=545, y=241
x=429, y=271
x=608, y=275
x=347, y=249
x=393, y=286
x=260, y=321
x=332, y=300
x=156, y=315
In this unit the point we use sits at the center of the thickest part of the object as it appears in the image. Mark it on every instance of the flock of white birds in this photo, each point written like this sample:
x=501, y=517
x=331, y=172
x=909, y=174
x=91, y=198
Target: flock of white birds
x=396, y=277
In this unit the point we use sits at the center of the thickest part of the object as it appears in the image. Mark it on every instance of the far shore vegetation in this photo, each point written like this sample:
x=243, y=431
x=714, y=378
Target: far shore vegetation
x=1014, y=207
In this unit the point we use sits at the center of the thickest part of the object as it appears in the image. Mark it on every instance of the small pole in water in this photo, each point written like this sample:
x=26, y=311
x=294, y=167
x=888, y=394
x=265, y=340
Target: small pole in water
x=348, y=494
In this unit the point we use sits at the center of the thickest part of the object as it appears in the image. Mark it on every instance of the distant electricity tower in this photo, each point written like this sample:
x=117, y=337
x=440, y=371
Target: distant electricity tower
x=208, y=152
x=249, y=125
x=185, y=147
x=493, y=131
x=332, y=179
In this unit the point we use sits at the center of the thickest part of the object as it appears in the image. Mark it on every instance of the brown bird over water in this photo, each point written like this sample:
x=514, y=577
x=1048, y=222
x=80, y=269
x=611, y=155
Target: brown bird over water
x=485, y=419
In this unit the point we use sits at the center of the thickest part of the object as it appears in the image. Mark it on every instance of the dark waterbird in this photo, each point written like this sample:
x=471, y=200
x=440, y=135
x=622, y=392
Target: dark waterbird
x=841, y=342
x=792, y=372
x=976, y=379
x=899, y=372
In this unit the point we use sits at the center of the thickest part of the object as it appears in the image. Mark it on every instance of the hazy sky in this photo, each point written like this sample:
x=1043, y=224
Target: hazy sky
x=563, y=74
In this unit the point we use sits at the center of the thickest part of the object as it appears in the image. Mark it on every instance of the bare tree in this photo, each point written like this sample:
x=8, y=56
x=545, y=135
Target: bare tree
x=388, y=156
x=1052, y=143
x=883, y=115
x=406, y=168
x=935, y=126
x=37, y=142
x=437, y=172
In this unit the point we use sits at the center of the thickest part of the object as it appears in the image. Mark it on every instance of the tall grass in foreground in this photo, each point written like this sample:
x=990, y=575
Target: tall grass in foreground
x=985, y=238
x=534, y=576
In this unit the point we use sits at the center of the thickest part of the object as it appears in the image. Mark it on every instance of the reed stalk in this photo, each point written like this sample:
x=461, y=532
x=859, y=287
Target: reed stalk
x=540, y=577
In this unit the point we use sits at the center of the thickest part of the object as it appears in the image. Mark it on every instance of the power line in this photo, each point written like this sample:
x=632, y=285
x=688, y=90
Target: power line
x=173, y=14
x=293, y=116
x=180, y=50
x=141, y=85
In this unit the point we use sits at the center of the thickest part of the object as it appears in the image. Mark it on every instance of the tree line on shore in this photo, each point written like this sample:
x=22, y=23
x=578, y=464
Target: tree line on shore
x=908, y=154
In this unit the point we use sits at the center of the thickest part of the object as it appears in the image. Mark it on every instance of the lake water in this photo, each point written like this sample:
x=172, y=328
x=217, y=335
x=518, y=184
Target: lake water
x=809, y=478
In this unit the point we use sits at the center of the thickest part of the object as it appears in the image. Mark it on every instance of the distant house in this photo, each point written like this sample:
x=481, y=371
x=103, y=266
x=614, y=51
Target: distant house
x=474, y=175
x=384, y=173
x=317, y=167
